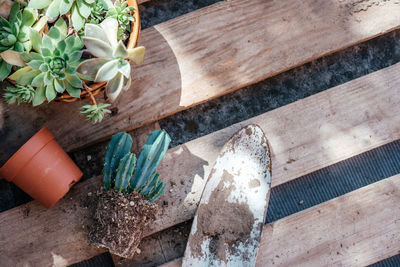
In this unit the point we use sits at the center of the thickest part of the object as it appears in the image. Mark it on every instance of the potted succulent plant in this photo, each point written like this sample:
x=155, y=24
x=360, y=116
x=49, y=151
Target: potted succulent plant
x=126, y=203
x=66, y=50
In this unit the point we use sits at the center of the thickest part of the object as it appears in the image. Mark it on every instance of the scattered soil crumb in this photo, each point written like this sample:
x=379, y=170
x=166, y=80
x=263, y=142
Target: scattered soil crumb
x=225, y=224
x=119, y=225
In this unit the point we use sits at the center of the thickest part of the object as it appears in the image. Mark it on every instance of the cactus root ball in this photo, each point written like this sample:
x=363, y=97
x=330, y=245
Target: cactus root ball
x=119, y=226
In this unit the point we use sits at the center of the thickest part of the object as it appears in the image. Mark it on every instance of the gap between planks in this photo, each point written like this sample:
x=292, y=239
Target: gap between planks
x=357, y=229
x=304, y=136
x=208, y=53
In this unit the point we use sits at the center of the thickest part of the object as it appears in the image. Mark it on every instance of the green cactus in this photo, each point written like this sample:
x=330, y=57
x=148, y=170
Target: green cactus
x=119, y=146
x=125, y=172
x=157, y=192
x=152, y=153
x=151, y=183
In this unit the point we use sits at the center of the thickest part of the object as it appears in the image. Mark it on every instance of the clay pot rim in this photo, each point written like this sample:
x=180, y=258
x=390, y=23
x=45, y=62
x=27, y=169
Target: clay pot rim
x=41, y=138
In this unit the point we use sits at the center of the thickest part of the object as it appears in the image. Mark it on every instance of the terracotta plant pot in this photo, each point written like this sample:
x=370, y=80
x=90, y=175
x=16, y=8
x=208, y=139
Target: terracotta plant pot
x=42, y=169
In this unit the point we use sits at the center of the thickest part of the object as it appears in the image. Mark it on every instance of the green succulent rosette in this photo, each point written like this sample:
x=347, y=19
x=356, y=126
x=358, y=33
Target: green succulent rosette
x=80, y=9
x=123, y=14
x=51, y=67
x=110, y=64
x=14, y=35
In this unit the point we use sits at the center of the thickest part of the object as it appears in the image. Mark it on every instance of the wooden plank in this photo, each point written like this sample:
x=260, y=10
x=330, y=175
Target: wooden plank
x=304, y=136
x=356, y=229
x=159, y=248
x=208, y=53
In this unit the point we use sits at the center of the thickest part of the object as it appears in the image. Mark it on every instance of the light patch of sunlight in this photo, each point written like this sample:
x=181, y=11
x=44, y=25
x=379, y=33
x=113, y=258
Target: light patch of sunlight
x=192, y=198
x=58, y=261
x=206, y=69
x=338, y=143
x=370, y=21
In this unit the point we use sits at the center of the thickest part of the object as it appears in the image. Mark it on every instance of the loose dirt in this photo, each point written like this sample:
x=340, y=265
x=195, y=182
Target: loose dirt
x=226, y=224
x=119, y=222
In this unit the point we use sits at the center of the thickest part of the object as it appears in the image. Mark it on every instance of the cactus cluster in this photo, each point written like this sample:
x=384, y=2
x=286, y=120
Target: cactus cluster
x=126, y=174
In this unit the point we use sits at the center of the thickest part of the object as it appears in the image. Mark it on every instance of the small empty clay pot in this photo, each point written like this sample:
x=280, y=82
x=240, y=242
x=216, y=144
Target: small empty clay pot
x=42, y=169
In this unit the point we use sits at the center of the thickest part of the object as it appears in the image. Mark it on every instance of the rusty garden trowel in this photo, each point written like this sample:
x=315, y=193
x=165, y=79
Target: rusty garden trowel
x=226, y=230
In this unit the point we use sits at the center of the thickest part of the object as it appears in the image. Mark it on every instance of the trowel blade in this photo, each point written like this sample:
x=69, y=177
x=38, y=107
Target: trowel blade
x=227, y=227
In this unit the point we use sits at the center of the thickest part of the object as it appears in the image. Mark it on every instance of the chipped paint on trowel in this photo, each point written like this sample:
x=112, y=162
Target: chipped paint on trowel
x=226, y=230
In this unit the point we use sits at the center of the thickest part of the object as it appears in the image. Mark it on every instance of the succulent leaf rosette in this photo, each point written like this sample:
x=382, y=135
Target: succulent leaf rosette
x=110, y=63
x=51, y=49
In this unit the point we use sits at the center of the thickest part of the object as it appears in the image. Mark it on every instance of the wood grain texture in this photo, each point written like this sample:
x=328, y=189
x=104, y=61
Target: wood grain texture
x=205, y=54
x=304, y=136
x=356, y=229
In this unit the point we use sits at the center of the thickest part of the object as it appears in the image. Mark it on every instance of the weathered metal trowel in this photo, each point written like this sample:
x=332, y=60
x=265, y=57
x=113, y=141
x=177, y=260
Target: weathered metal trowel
x=226, y=230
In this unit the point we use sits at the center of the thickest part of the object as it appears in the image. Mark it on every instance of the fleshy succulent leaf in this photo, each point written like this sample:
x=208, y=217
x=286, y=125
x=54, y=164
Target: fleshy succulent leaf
x=73, y=91
x=95, y=31
x=54, y=33
x=29, y=16
x=38, y=80
x=110, y=27
x=59, y=86
x=97, y=47
x=107, y=71
x=50, y=92
x=125, y=68
x=114, y=87
x=39, y=97
x=137, y=54
x=13, y=58
x=54, y=9
x=74, y=81
x=65, y=6
x=36, y=40
x=39, y=4
x=5, y=69
x=61, y=25
x=83, y=8
x=90, y=67
x=120, y=51
x=38, y=26
x=77, y=20
x=16, y=75
x=26, y=78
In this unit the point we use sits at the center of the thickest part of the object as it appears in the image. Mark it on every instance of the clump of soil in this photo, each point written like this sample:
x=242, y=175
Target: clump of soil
x=119, y=222
x=226, y=226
